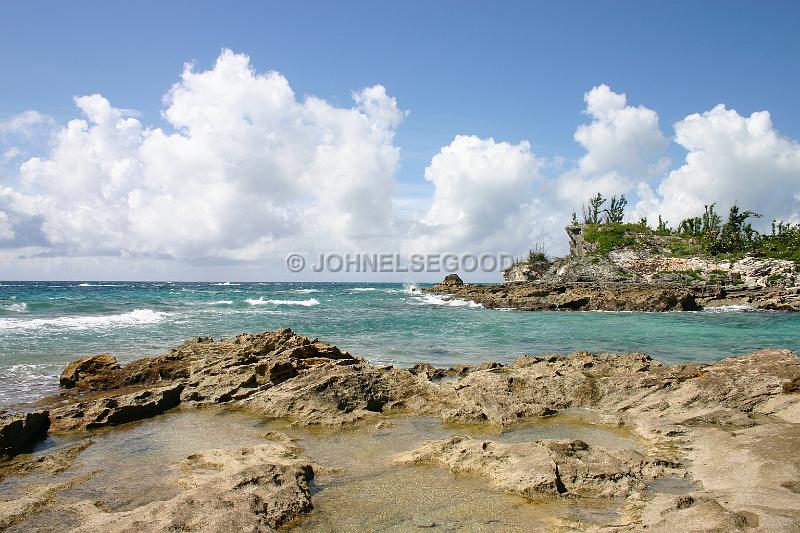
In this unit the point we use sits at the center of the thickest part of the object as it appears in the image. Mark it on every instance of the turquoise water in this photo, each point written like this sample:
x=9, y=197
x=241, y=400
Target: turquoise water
x=44, y=325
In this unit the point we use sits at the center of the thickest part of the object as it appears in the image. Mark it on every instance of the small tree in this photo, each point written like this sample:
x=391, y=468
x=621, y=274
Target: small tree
x=711, y=223
x=737, y=235
x=662, y=228
x=616, y=210
x=593, y=209
x=538, y=253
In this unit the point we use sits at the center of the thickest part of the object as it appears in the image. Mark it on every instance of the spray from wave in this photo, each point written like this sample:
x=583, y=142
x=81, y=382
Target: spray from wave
x=20, y=307
x=136, y=317
x=424, y=298
x=261, y=301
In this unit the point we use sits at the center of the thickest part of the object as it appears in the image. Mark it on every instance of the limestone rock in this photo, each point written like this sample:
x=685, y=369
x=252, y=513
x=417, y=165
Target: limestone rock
x=262, y=488
x=541, y=468
x=91, y=372
x=452, y=279
x=113, y=411
x=19, y=432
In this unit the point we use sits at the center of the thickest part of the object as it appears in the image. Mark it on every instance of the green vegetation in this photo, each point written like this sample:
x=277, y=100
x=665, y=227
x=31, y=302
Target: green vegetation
x=702, y=235
x=783, y=243
x=537, y=255
x=609, y=237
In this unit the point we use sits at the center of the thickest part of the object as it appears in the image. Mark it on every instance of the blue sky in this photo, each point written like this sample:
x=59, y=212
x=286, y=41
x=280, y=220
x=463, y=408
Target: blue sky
x=511, y=71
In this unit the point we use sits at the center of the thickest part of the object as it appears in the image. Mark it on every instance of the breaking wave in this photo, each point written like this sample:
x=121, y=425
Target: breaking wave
x=261, y=301
x=425, y=298
x=134, y=318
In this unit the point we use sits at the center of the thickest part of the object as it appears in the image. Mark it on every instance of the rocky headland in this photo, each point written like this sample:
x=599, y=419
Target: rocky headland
x=634, y=272
x=708, y=446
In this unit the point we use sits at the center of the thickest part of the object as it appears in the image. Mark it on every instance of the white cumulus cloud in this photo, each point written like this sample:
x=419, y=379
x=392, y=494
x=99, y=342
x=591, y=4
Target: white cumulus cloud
x=480, y=185
x=246, y=168
x=246, y=171
x=624, y=148
x=730, y=158
x=6, y=231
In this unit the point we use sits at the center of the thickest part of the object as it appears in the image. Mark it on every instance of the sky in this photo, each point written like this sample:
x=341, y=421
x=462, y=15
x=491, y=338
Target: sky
x=205, y=141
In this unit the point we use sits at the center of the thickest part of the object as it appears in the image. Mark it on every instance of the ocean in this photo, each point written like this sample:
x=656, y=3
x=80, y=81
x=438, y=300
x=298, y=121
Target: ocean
x=44, y=325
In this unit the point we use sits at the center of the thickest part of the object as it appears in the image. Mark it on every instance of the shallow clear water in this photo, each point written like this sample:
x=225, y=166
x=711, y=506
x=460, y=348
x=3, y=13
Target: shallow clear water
x=357, y=486
x=44, y=325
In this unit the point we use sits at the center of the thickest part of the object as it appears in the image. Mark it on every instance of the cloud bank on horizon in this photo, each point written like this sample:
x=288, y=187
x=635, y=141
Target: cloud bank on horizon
x=247, y=171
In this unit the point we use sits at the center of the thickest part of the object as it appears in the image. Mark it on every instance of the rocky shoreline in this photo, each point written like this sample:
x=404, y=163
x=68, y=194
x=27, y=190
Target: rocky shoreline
x=618, y=296
x=726, y=432
x=640, y=275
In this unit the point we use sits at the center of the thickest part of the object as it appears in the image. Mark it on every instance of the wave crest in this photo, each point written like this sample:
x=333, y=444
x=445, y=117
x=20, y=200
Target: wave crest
x=20, y=307
x=136, y=317
x=261, y=301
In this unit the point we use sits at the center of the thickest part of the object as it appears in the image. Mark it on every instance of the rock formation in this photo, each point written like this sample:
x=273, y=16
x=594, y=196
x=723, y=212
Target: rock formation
x=729, y=430
x=635, y=278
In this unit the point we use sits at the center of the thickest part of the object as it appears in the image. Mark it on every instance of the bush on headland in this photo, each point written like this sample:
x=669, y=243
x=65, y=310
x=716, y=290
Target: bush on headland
x=705, y=234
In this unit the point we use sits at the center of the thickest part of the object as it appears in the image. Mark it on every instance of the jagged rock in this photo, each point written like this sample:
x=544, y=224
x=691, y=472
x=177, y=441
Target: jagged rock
x=19, y=432
x=741, y=411
x=345, y=391
x=94, y=372
x=113, y=411
x=263, y=488
x=541, y=468
x=641, y=277
x=540, y=296
x=452, y=279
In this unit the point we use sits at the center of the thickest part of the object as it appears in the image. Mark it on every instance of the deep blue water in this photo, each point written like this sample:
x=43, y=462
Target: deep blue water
x=44, y=325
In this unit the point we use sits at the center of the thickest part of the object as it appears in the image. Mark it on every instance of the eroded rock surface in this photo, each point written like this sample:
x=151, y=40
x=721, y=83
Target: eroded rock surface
x=545, y=467
x=728, y=428
x=262, y=488
x=20, y=431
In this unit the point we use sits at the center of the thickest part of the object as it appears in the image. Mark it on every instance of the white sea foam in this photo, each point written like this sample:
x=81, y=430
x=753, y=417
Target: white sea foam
x=221, y=302
x=410, y=288
x=20, y=307
x=306, y=291
x=729, y=309
x=99, y=285
x=136, y=317
x=225, y=284
x=425, y=298
x=435, y=299
x=261, y=301
x=27, y=382
x=363, y=289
